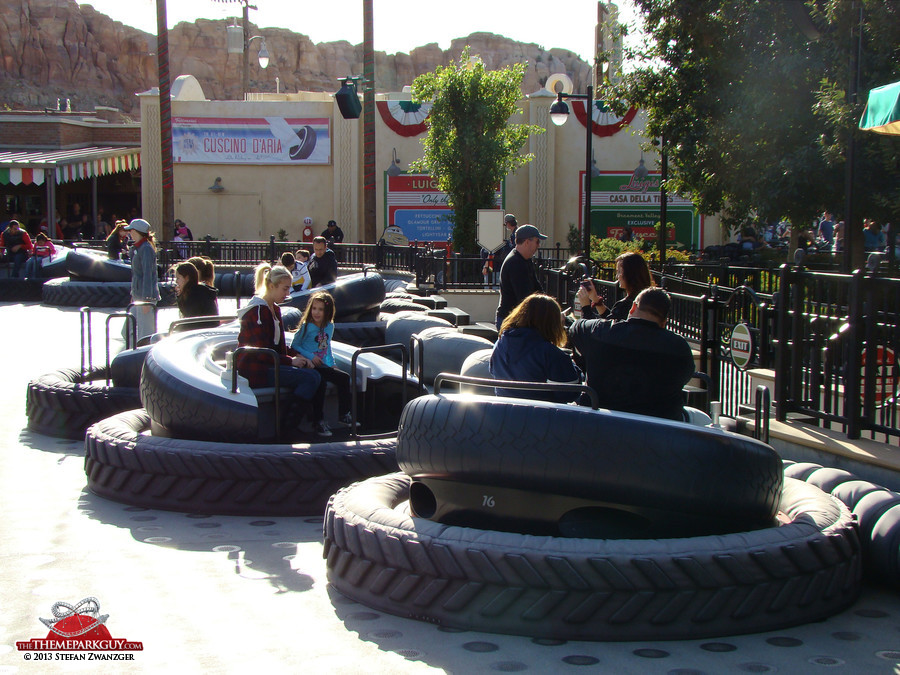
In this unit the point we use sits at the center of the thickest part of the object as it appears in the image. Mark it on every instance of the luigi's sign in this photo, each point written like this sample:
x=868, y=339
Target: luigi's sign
x=629, y=202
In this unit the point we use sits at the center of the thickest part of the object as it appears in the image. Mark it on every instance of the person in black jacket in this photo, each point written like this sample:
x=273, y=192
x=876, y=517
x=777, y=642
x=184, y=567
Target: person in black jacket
x=323, y=265
x=333, y=234
x=633, y=276
x=194, y=298
x=636, y=365
x=518, y=278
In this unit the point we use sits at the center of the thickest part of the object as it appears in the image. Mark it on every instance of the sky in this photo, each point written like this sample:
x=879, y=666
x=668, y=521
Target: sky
x=399, y=26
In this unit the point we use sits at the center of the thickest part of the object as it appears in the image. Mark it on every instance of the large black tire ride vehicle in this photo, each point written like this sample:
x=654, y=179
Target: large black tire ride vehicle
x=353, y=294
x=71, y=293
x=125, y=464
x=664, y=476
x=95, y=266
x=66, y=402
x=558, y=588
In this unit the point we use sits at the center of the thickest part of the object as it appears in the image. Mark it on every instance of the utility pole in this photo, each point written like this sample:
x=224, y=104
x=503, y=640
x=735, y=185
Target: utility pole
x=165, y=121
x=369, y=201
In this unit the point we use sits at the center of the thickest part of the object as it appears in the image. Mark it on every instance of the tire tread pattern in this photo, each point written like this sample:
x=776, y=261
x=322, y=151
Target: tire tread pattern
x=581, y=589
x=123, y=464
x=66, y=402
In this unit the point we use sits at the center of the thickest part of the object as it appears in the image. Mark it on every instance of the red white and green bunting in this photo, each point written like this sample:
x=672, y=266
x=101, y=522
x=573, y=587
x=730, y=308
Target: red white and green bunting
x=21, y=176
x=604, y=122
x=98, y=167
x=404, y=118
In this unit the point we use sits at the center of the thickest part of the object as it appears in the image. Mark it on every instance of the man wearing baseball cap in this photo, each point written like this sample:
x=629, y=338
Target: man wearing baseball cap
x=518, y=279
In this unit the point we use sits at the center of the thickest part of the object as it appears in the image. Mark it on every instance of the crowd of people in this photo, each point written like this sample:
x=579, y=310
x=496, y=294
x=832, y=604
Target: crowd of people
x=623, y=352
x=628, y=357
x=825, y=234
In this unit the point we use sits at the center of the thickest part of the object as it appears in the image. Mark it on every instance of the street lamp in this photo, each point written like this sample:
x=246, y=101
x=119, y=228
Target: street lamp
x=238, y=41
x=559, y=113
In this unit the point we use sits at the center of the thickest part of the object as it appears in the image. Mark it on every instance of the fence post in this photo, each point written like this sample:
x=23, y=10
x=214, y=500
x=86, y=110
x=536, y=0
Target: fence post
x=781, y=351
x=271, y=249
x=207, y=247
x=853, y=376
x=713, y=334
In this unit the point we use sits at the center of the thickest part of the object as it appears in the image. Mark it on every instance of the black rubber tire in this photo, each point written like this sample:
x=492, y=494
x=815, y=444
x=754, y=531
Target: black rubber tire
x=86, y=267
x=394, y=305
x=181, y=411
x=304, y=149
x=225, y=282
x=577, y=589
x=353, y=295
x=21, y=290
x=70, y=293
x=630, y=460
x=361, y=333
x=444, y=350
x=124, y=464
x=125, y=369
x=65, y=403
x=876, y=509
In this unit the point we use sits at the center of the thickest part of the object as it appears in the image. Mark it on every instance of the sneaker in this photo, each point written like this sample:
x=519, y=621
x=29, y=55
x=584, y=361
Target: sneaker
x=322, y=429
x=347, y=420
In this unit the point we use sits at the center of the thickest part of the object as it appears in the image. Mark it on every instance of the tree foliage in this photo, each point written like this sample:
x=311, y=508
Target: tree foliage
x=471, y=145
x=754, y=113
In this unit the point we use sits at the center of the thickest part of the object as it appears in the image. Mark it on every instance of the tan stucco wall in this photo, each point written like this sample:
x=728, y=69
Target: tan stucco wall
x=260, y=200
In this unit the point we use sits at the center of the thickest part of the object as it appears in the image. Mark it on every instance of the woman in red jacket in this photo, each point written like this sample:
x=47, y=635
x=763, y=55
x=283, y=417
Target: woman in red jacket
x=261, y=326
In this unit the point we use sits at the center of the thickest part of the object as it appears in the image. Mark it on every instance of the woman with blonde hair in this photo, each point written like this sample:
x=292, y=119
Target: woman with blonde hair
x=261, y=326
x=529, y=349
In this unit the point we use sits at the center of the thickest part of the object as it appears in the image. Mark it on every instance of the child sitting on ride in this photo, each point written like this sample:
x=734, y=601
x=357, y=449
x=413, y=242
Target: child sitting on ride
x=313, y=341
x=301, y=271
x=194, y=298
x=261, y=326
x=299, y=275
x=44, y=250
x=529, y=350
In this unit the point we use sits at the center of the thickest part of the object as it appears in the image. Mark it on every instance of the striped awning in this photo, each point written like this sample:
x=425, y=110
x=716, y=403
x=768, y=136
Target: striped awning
x=27, y=168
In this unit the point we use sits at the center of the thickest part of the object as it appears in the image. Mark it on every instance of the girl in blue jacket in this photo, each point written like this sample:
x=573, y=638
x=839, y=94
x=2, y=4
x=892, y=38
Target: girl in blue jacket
x=313, y=340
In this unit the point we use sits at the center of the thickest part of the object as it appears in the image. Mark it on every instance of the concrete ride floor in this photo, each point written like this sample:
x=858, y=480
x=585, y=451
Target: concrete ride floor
x=246, y=594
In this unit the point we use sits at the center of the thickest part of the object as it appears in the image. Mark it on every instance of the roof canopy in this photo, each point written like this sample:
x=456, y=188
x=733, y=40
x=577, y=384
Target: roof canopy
x=29, y=167
x=882, y=114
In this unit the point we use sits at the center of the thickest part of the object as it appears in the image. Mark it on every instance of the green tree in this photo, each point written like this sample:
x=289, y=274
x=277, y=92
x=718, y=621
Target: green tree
x=471, y=145
x=752, y=111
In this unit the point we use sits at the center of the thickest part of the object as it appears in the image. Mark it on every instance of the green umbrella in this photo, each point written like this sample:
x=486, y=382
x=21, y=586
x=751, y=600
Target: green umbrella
x=882, y=113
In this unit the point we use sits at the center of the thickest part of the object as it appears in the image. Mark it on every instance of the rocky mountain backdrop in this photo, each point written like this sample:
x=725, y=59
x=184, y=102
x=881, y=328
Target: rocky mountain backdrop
x=53, y=49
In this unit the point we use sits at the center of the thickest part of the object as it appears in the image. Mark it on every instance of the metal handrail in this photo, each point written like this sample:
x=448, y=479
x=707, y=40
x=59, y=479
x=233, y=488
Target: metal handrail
x=515, y=384
x=375, y=349
x=763, y=403
x=417, y=354
x=188, y=320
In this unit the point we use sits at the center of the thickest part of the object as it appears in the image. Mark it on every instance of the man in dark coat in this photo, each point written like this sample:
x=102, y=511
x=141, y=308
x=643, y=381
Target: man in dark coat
x=637, y=365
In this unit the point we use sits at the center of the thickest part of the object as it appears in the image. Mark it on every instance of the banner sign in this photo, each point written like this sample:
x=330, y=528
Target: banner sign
x=620, y=200
x=415, y=204
x=251, y=140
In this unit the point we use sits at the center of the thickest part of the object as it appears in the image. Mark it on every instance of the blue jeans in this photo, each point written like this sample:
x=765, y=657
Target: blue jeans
x=304, y=381
x=307, y=384
x=17, y=259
